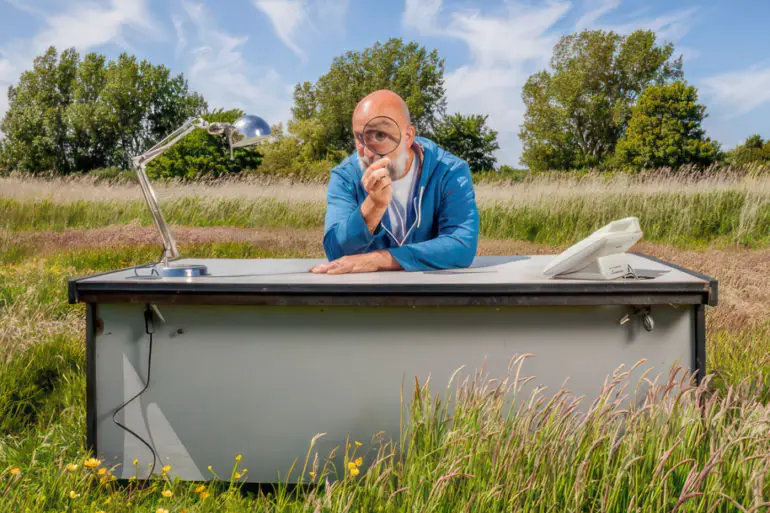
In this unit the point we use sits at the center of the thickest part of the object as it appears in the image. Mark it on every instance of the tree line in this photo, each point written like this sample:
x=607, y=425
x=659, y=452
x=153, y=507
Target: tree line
x=607, y=101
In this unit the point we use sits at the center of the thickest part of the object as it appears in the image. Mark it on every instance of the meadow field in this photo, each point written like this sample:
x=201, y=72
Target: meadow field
x=689, y=449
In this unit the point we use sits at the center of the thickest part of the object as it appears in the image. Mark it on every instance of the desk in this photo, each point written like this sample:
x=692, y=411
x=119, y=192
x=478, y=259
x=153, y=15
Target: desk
x=260, y=356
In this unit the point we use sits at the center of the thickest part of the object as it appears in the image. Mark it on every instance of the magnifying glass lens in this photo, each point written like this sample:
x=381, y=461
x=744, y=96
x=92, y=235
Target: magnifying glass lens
x=381, y=135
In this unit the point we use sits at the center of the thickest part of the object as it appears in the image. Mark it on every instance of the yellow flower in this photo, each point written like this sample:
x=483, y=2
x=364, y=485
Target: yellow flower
x=200, y=489
x=204, y=495
x=167, y=493
x=15, y=471
x=100, y=511
x=102, y=471
x=359, y=444
x=108, y=500
x=91, y=463
x=312, y=475
x=74, y=495
x=238, y=458
x=244, y=471
x=359, y=461
x=161, y=510
x=354, y=471
x=166, y=468
x=136, y=461
x=71, y=467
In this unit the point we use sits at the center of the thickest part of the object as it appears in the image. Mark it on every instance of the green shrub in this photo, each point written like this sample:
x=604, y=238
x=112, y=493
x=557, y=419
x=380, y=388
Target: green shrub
x=201, y=155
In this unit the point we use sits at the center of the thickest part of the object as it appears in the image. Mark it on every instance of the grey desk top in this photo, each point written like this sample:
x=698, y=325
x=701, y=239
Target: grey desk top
x=492, y=275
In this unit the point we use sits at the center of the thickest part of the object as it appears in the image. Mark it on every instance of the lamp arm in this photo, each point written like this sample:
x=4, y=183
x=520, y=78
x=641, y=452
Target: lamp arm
x=170, y=140
x=140, y=163
x=169, y=246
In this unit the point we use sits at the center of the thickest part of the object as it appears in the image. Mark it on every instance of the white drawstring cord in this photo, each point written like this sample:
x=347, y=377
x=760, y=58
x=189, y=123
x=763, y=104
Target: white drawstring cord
x=417, y=221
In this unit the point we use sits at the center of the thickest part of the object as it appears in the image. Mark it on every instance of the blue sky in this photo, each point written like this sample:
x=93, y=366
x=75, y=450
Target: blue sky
x=250, y=53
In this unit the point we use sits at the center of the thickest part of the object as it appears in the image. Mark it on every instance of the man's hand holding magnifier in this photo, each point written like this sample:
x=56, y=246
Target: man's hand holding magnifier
x=377, y=184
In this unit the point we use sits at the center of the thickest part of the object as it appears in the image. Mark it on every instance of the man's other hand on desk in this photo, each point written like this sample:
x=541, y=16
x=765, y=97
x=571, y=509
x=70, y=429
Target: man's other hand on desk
x=362, y=263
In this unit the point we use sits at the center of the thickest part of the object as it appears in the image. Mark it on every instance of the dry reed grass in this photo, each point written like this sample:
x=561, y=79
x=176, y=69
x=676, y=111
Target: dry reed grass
x=534, y=190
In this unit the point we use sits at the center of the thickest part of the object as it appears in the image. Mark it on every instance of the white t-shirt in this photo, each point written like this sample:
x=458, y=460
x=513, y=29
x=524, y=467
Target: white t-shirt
x=399, y=203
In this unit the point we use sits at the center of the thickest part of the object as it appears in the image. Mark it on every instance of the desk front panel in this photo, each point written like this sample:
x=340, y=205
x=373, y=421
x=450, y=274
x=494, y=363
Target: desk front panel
x=262, y=381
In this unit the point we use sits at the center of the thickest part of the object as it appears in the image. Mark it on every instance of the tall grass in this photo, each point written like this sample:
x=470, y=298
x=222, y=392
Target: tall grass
x=687, y=219
x=479, y=446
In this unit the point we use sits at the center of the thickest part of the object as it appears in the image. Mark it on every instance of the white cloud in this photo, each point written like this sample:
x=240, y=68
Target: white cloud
x=738, y=92
x=598, y=9
x=181, y=40
x=505, y=49
x=671, y=26
x=293, y=23
x=219, y=71
x=688, y=53
x=422, y=15
x=286, y=17
x=87, y=25
x=25, y=7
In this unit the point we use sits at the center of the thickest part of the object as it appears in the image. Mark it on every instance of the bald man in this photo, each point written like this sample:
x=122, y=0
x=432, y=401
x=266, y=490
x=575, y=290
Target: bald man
x=411, y=209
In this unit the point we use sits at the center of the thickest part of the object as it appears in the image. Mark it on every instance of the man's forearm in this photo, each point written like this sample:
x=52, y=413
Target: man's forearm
x=372, y=214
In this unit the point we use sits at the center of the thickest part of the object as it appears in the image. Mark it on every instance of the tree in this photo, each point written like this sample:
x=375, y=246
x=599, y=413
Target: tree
x=71, y=115
x=469, y=138
x=408, y=69
x=298, y=154
x=754, y=151
x=576, y=113
x=36, y=135
x=665, y=130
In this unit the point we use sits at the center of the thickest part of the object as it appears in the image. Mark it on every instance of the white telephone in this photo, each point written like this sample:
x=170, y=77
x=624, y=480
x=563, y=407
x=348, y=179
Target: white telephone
x=600, y=256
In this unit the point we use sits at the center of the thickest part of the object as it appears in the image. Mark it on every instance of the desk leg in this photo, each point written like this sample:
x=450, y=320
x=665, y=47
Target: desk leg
x=699, y=342
x=91, y=327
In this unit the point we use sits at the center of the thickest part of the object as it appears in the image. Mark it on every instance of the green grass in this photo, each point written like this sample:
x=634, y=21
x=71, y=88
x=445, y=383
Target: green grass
x=47, y=215
x=681, y=450
x=723, y=217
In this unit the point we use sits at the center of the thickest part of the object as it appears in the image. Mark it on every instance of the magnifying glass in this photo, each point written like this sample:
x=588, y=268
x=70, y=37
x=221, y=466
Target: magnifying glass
x=381, y=135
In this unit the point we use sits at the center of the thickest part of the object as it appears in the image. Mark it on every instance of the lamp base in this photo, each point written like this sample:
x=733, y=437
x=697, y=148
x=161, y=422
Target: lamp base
x=181, y=271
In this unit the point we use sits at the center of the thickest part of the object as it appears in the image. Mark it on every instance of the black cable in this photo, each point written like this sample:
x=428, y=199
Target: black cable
x=149, y=329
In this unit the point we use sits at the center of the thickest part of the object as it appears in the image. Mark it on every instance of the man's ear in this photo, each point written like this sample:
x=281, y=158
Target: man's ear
x=411, y=133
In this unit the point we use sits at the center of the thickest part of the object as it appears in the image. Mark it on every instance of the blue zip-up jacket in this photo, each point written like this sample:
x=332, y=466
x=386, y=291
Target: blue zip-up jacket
x=442, y=221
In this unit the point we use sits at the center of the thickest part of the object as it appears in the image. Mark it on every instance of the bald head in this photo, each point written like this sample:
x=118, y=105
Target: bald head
x=384, y=103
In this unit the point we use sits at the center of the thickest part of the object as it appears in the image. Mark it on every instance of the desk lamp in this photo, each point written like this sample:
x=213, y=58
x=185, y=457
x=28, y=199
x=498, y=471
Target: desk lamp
x=248, y=130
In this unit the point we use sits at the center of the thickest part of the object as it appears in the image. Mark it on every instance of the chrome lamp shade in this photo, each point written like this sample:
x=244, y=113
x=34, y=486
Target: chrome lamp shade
x=248, y=130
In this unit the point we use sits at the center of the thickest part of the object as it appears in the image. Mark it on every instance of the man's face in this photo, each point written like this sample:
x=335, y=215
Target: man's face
x=399, y=157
